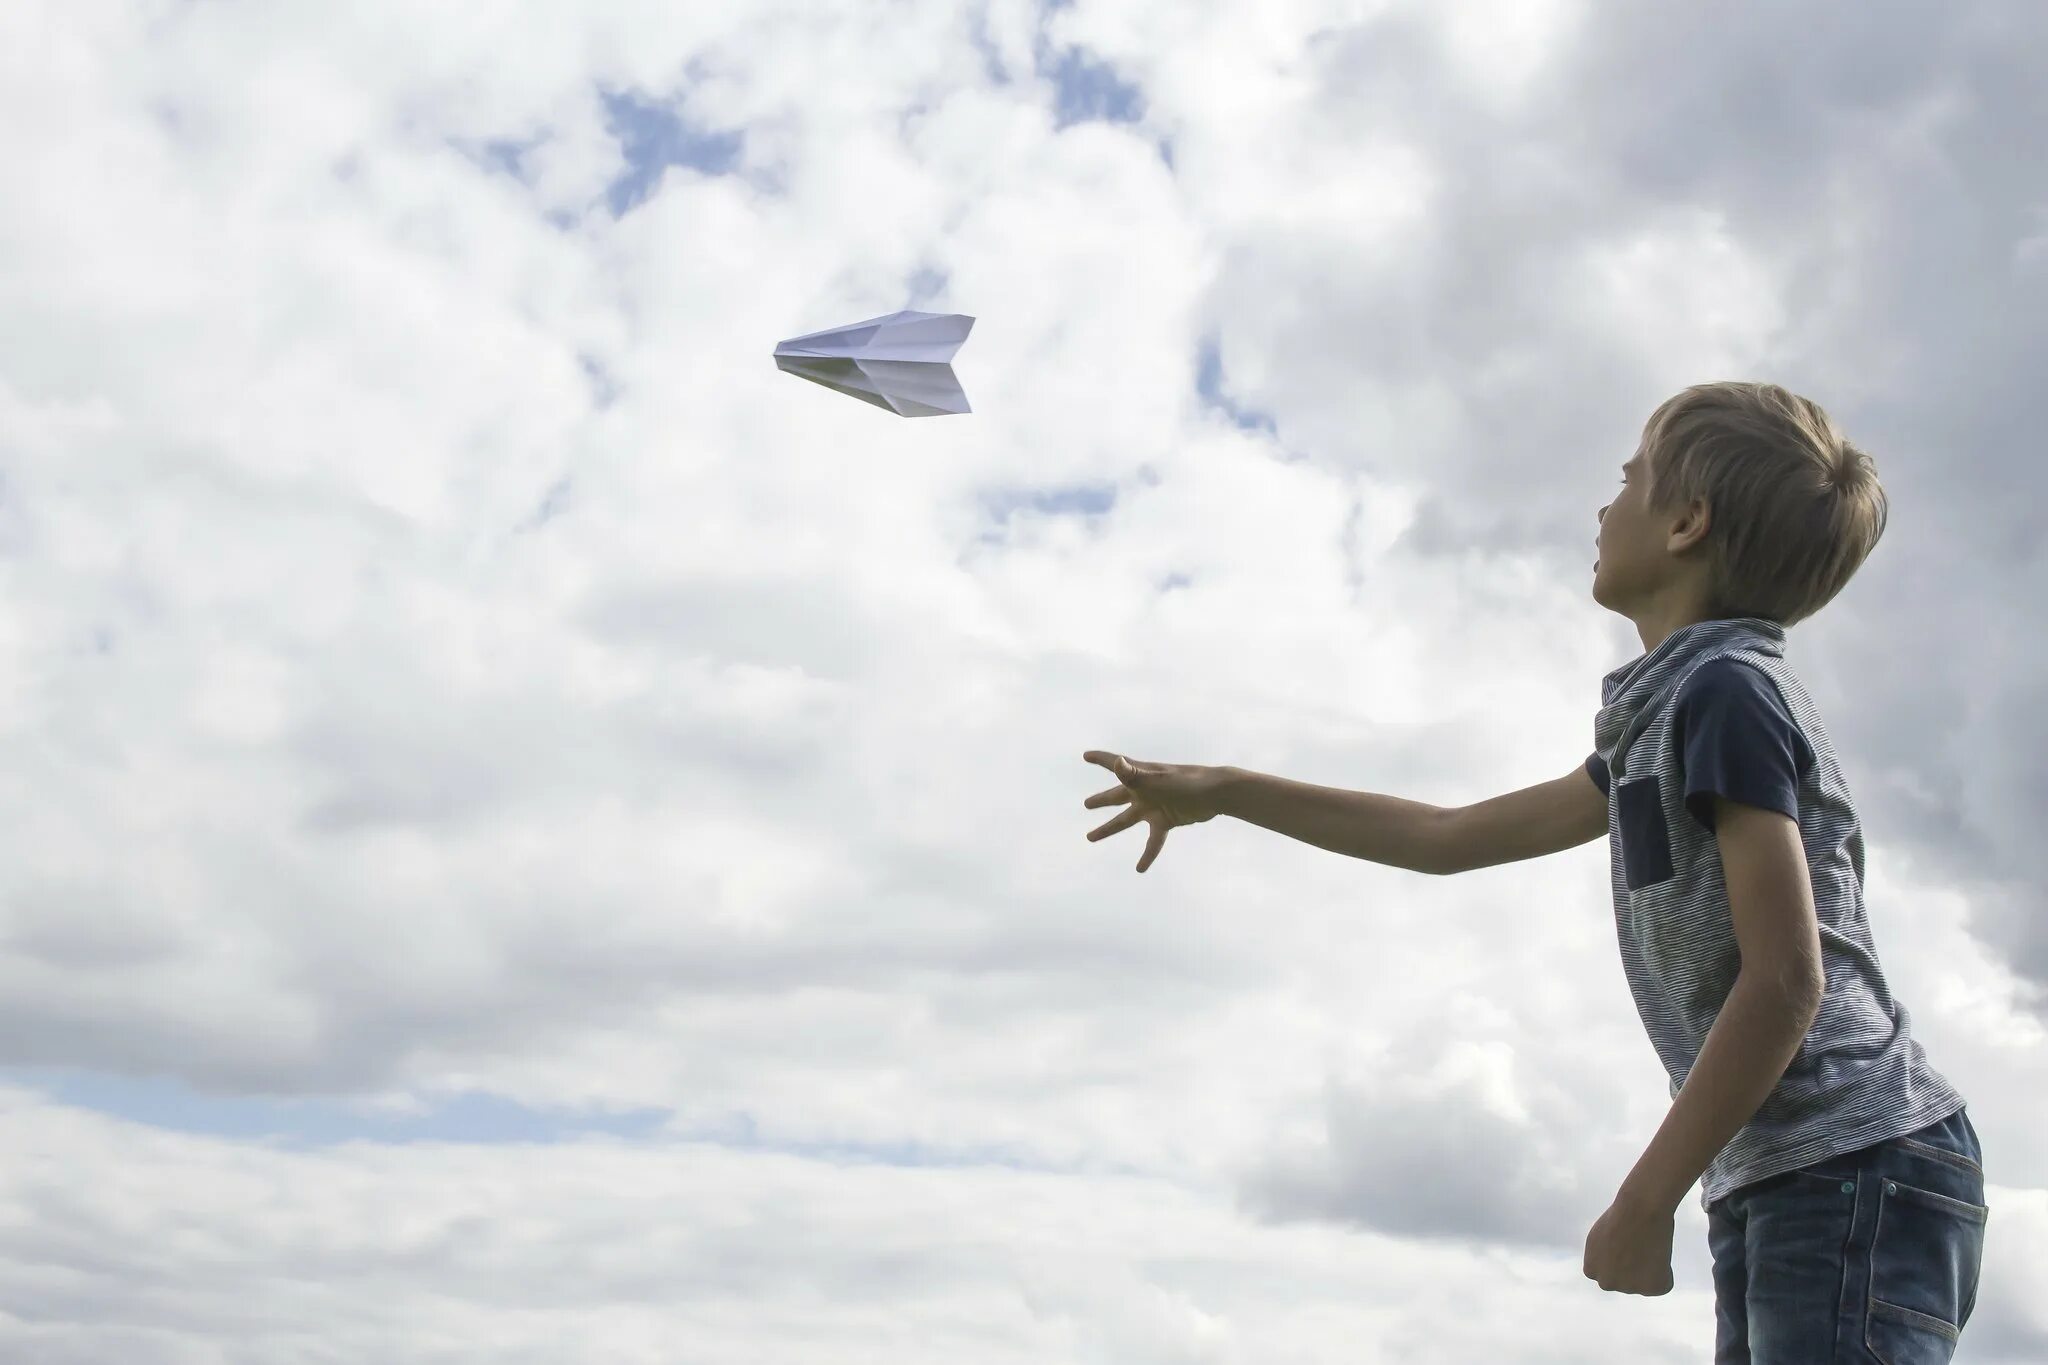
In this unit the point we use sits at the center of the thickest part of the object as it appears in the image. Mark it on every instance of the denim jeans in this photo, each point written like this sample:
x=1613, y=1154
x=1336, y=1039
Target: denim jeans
x=1870, y=1256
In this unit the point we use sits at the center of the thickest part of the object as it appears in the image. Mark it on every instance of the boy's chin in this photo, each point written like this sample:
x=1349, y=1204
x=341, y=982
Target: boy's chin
x=1602, y=597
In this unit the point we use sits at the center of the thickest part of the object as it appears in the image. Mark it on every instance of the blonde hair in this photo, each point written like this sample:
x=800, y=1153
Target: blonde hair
x=1795, y=508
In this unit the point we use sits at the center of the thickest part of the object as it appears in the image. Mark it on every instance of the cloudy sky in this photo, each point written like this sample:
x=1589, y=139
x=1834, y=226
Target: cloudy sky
x=529, y=835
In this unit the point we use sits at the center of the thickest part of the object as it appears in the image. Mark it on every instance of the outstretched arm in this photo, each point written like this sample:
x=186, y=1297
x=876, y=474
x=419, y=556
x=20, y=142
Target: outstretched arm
x=1546, y=818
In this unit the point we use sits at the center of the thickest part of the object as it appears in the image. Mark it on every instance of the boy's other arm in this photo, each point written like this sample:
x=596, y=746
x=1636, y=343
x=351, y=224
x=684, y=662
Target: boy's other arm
x=1775, y=999
x=1546, y=818
x=1438, y=840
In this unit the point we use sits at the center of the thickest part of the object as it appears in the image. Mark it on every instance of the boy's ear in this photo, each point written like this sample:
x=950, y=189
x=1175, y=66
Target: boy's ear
x=1690, y=527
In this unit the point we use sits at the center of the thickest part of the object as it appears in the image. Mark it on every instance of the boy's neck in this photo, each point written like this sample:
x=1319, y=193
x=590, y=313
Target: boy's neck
x=1659, y=621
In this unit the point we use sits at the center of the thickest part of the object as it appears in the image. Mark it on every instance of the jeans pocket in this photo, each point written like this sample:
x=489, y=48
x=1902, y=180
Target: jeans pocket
x=1924, y=1259
x=1952, y=1141
x=1645, y=838
x=1962, y=1161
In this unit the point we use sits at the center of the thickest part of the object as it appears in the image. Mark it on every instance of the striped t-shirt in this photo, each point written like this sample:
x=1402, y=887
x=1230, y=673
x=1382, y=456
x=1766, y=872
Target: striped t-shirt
x=1714, y=710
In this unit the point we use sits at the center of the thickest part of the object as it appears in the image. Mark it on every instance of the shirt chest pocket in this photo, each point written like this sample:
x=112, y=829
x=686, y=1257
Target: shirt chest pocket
x=1645, y=840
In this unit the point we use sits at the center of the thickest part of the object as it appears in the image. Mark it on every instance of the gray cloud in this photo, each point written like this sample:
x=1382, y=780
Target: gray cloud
x=1879, y=173
x=1434, y=1167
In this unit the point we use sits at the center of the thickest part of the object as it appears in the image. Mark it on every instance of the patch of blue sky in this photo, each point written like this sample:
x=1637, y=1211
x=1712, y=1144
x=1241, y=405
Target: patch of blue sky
x=741, y=1132
x=504, y=155
x=553, y=504
x=1084, y=499
x=654, y=136
x=508, y=154
x=306, y=1122
x=927, y=286
x=991, y=56
x=1209, y=384
x=1089, y=90
x=604, y=386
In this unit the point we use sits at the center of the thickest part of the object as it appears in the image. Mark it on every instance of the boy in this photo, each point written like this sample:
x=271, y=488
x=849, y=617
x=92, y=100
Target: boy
x=1844, y=1183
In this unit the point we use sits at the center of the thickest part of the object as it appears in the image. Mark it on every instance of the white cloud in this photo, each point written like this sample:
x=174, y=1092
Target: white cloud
x=439, y=650
x=616, y=1251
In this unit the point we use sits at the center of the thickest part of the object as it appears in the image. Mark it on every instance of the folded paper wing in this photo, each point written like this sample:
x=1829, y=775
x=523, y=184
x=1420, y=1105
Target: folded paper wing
x=902, y=362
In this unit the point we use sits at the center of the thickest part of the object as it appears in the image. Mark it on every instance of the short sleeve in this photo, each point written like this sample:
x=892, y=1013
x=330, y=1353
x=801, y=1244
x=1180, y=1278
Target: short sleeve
x=1596, y=768
x=1738, y=741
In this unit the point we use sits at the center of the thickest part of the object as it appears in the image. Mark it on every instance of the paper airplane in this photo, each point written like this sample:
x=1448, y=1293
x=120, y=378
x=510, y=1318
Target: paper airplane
x=902, y=362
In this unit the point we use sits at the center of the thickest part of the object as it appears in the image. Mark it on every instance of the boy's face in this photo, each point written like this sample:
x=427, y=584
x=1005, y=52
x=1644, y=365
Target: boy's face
x=1639, y=571
x=1630, y=550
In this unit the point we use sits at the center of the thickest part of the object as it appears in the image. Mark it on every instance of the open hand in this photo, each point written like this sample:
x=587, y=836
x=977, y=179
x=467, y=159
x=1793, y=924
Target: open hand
x=1163, y=795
